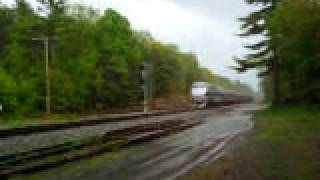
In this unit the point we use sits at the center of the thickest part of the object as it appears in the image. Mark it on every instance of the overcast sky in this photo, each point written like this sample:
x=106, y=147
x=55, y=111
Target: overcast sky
x=206, y=27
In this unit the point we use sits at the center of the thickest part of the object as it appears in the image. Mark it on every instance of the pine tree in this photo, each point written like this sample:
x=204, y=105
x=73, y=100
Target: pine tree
x=265, y=55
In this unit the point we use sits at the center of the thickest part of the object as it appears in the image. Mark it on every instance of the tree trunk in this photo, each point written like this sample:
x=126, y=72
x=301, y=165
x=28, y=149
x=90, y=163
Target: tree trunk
x=276, y=82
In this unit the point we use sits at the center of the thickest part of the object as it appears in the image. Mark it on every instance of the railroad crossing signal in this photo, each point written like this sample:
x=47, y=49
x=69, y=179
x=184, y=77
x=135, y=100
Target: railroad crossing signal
x=144, y=73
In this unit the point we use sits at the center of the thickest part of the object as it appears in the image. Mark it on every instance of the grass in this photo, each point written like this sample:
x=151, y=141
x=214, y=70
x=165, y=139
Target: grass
x=288, y=124
x=20, y=121
x=293, y=136
x=284, y=145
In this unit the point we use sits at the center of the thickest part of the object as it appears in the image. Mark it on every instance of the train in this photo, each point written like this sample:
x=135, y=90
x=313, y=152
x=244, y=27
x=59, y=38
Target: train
x=205, y=94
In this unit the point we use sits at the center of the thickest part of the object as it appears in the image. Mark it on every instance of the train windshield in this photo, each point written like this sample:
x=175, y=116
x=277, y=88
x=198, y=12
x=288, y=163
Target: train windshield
x=199, y=88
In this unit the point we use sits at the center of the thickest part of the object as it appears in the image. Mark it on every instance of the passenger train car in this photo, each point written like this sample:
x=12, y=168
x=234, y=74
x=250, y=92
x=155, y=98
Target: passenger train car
x=204, y=95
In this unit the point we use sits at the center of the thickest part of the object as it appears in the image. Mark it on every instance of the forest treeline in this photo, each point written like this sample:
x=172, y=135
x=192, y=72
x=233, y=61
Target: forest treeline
x=288, y=55
x=95, y=59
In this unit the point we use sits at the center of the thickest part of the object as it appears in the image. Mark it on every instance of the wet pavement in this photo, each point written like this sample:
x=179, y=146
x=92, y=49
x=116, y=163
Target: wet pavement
x=169, y=157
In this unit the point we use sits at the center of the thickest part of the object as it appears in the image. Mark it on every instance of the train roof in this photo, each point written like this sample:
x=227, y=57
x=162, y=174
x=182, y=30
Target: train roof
x=200, y=84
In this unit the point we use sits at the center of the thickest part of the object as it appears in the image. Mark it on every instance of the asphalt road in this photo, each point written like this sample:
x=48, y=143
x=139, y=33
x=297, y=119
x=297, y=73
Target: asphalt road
x=166, y=158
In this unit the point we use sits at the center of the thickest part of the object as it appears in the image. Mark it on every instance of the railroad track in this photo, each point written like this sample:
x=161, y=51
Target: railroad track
x=87, y=121
x=90, y=121
x=52, y=156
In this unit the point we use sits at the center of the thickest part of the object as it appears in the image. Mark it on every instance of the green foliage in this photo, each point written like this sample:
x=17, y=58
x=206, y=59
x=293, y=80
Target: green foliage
x=264, y=56
x=297, y=24
x=289, y=54
x=94, y=60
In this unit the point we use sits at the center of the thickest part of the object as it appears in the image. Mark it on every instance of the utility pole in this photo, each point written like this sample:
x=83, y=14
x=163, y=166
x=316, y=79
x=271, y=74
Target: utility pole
x=145, y=85
x=45, y=41
x=145, y=97
x=238, y=84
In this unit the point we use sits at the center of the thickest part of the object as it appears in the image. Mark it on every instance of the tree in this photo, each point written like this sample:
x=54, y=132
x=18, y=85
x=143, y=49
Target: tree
x=116, y=44
x=6, y=20
x=18, y=61
x=55, y=12
x=297, y=22
x=74, y=64
x=94, y=60
x=265, y=56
